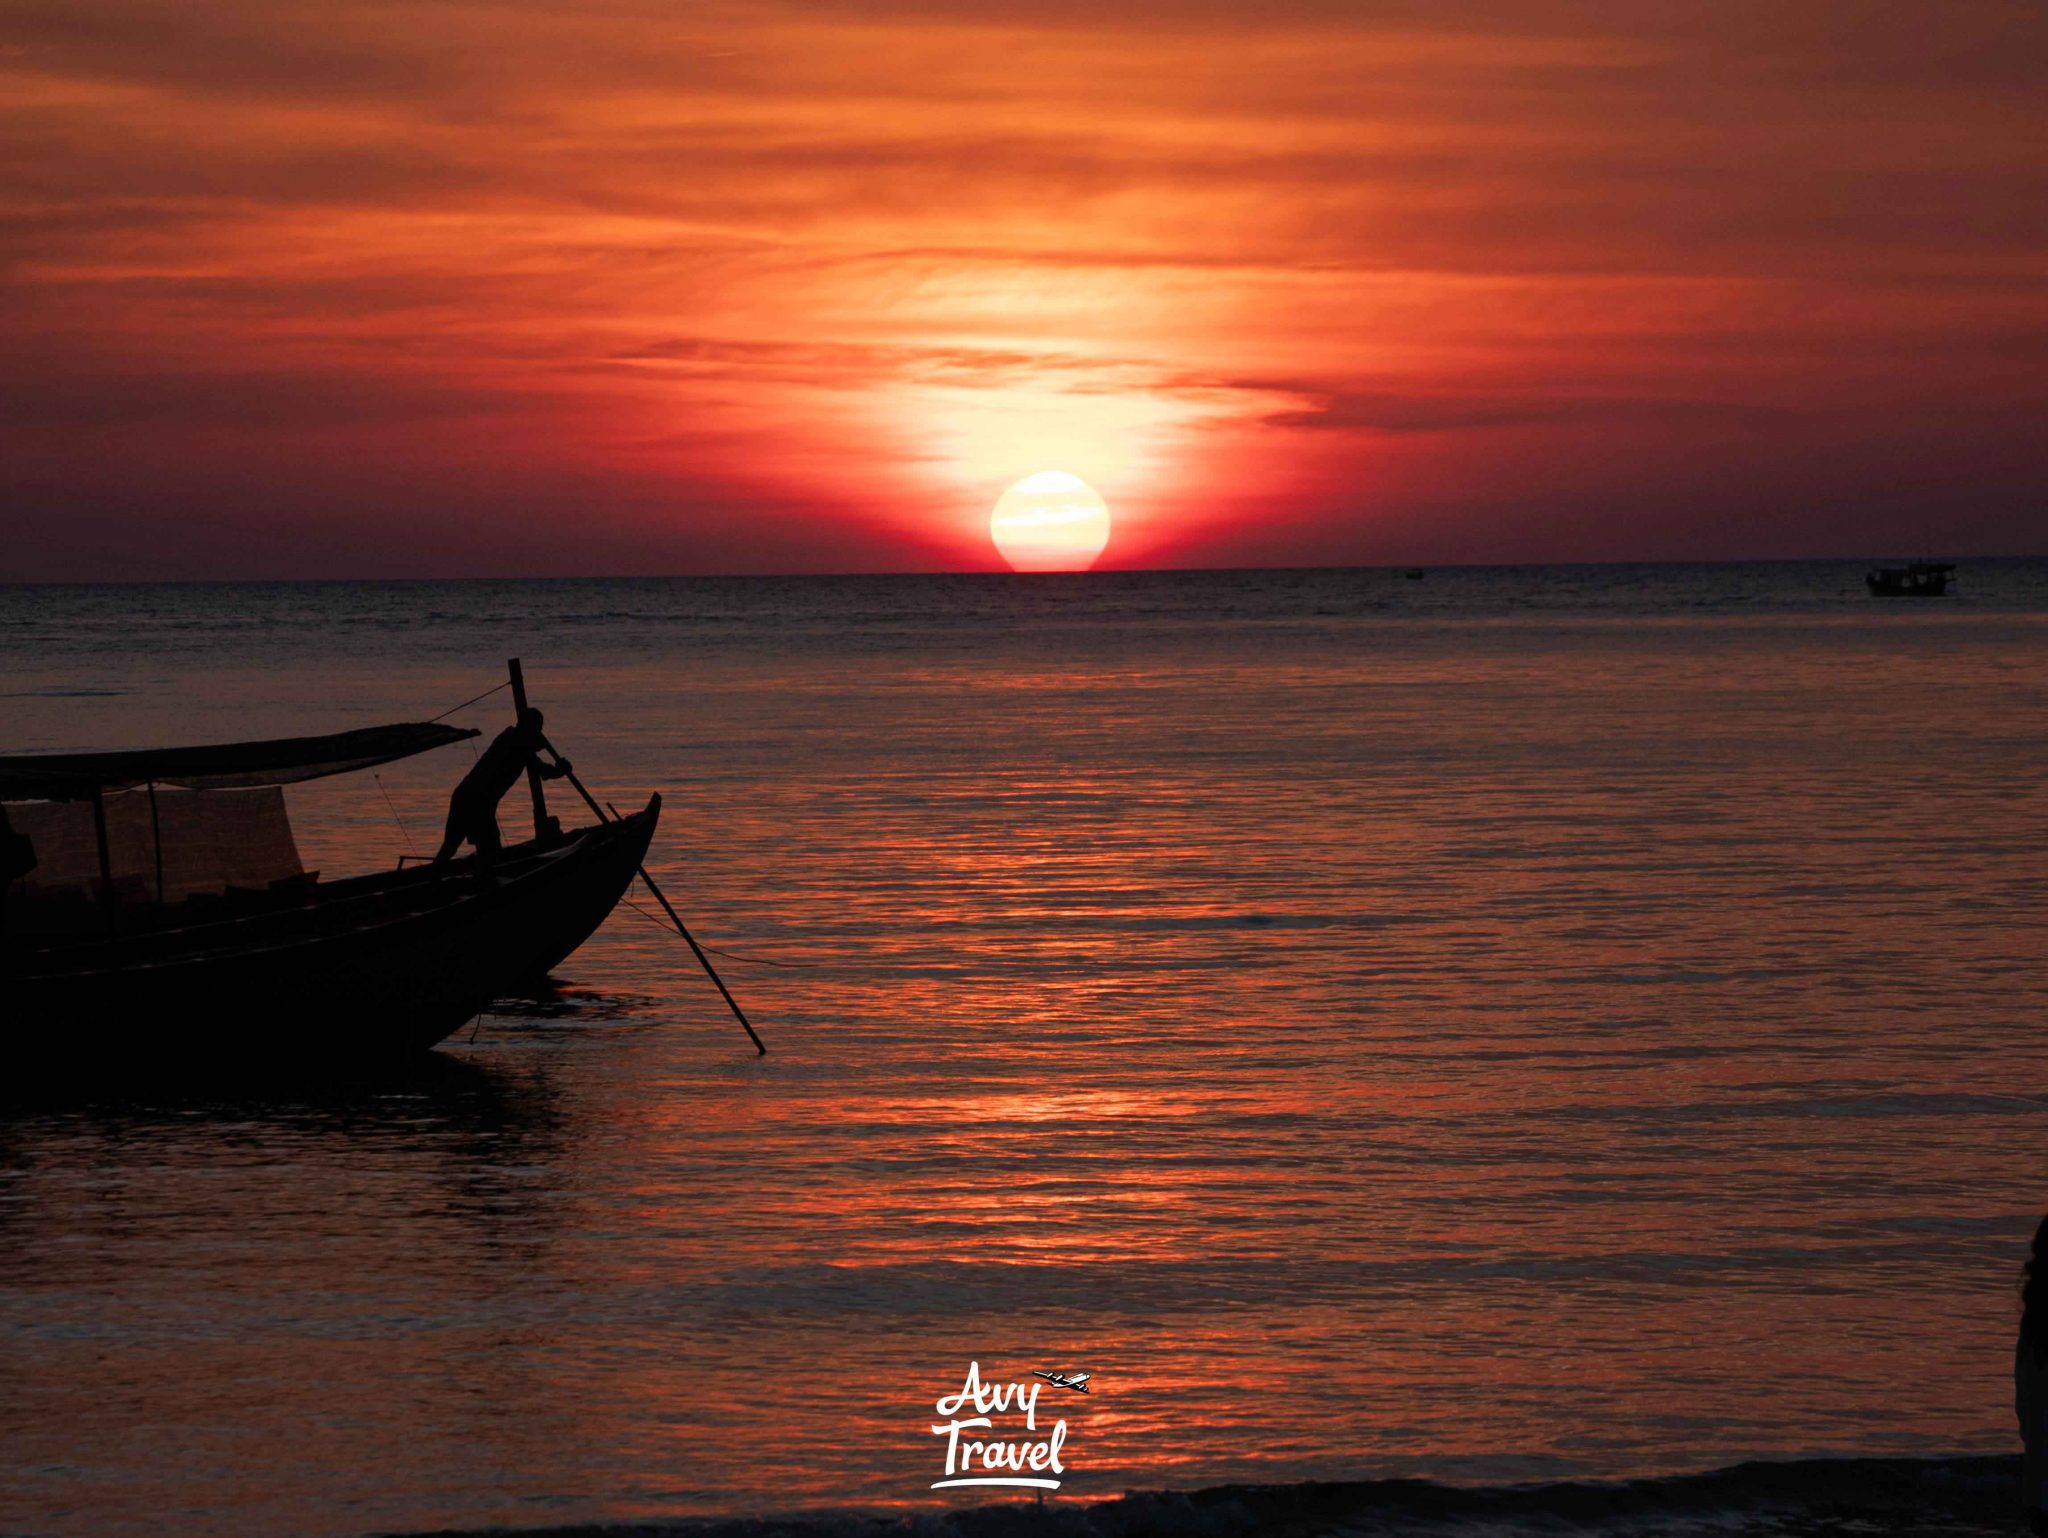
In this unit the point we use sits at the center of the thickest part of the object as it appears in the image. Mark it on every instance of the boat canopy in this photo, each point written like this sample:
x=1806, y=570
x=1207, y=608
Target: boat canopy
x=224, y=766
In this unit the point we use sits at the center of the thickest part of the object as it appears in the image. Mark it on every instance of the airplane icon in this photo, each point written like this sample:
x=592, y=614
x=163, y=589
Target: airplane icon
x=1073, y=1380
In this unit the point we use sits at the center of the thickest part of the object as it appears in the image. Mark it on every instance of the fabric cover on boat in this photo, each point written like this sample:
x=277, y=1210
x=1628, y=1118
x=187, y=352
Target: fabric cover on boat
x=211, y=841
x=224, y=766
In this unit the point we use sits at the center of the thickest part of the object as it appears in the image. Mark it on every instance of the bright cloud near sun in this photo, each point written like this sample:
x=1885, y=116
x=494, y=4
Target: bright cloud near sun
x=1145, y=437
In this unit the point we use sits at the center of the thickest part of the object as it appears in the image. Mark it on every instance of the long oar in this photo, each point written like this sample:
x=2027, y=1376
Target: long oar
x=709, y=970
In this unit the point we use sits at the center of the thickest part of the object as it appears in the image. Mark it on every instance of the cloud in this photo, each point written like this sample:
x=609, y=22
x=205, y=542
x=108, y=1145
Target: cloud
x=1397, y=413
x=816, y=254
x=181, y=400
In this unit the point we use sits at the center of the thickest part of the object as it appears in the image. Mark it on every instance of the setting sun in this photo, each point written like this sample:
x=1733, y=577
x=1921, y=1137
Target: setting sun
x=1050, y=521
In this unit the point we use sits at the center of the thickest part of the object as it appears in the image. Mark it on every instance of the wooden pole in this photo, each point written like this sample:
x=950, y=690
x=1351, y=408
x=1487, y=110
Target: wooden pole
x=99, y=829
x=540, y=800
x=156, y=837
x=705, y=961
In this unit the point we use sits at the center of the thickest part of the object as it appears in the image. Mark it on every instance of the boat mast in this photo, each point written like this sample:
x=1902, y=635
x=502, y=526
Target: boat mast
x=99, y=829
x=156, y=838
x=540, y=800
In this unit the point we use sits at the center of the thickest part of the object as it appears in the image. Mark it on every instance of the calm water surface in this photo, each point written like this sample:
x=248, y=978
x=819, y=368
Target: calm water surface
x=1508, y=1025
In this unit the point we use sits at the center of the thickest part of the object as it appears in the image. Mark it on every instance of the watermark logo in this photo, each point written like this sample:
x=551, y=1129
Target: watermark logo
x=1078, y=1381
x=979, y=1452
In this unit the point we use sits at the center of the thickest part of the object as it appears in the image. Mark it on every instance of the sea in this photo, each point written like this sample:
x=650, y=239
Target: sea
x=1498, y=1050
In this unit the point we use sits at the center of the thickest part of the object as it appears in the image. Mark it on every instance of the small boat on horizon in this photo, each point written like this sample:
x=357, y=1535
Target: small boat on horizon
x=1920, y=579
x=168, y=920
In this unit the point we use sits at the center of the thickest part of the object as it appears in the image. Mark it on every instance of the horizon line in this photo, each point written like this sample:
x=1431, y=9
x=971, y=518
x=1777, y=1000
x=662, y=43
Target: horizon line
x=1110, y=571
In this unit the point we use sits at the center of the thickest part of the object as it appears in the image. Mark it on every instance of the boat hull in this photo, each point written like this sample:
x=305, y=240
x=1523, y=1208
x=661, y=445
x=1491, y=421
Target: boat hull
x=1909, y=582
x=383, y=967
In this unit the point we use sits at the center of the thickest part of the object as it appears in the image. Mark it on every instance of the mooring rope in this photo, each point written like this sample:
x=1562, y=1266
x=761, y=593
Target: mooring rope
x=403, y=830
x=444, y=715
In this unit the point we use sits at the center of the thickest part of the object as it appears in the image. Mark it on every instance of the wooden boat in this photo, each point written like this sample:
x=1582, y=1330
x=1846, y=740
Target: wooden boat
x=1921, y=579
x=144, y=966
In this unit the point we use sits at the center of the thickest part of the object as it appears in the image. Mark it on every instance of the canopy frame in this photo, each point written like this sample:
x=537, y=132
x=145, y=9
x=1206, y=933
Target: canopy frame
x=219, y=766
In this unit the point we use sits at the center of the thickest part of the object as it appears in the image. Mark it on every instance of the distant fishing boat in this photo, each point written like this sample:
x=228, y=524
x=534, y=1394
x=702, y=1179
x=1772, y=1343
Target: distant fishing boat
x=168, y=917
x=1414, y=574
x=1921, y=579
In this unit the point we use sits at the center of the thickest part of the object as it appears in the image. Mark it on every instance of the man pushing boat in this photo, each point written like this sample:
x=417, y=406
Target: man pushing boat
x=473, y=808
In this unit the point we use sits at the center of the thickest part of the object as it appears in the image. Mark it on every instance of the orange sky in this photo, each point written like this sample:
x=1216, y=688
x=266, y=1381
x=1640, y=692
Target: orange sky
x=505, y=287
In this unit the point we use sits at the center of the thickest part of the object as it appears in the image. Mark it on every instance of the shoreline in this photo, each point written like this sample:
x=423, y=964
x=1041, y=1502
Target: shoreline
x=1945, y=1493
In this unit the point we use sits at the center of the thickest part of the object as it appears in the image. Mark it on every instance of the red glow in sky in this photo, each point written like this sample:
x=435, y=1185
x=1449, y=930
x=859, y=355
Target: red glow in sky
x=522, y=288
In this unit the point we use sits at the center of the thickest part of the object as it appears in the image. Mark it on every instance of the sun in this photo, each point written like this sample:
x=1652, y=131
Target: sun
x=1051, y=521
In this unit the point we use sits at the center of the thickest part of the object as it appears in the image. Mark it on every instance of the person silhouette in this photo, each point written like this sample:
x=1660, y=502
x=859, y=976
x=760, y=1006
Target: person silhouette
x=2030, y=1378
x=473, y=808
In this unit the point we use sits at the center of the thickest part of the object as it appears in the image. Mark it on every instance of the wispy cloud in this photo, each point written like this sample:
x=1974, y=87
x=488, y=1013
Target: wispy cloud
x=1363, y=268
